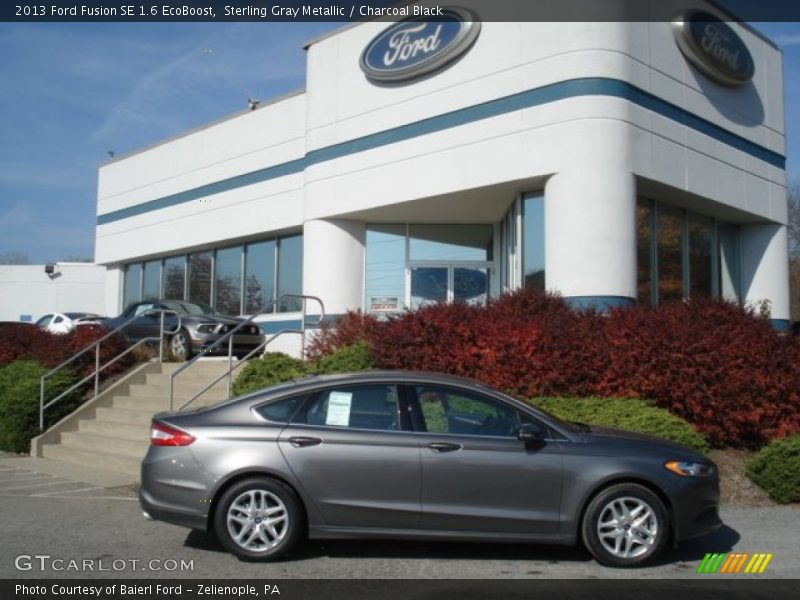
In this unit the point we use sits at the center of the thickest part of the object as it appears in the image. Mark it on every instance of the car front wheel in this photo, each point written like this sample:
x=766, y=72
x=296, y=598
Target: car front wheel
x=625, y=525
x=258, y=519
x=180, y=346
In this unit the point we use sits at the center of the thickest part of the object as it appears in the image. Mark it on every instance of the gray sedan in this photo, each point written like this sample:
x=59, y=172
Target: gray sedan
x=419, y=456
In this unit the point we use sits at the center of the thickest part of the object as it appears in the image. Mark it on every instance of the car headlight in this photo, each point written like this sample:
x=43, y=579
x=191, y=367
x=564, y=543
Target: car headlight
x=689, y=469
x=206, y=328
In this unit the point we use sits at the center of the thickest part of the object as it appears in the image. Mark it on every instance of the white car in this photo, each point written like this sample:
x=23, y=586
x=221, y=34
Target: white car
x=66, y=322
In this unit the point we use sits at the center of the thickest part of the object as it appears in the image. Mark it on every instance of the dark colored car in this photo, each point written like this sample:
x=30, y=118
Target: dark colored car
x=419, y=456
x=200, y=327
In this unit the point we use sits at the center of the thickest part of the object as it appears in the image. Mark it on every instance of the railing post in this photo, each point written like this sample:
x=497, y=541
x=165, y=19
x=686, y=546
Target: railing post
x=161, y=340
x=96, y=369
x=230, y=364
x=303, y=330
x=41, y=404
x=171, y=395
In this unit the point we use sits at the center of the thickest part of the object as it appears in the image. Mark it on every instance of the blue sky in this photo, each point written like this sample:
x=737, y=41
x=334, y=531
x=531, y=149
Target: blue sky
x=72, y=92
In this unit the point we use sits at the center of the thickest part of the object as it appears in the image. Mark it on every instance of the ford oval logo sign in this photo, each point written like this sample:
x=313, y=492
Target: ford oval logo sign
x=414, y=47
x=713, y=47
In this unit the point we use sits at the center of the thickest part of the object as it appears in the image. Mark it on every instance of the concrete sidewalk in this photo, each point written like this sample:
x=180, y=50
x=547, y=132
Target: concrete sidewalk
x=89, y=475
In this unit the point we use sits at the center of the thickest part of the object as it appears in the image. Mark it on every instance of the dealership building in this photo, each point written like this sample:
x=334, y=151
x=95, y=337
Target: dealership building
x=612, y=162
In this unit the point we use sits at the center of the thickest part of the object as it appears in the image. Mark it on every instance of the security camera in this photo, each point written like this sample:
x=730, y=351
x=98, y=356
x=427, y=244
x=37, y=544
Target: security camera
x=49, y=268
x=253, y=103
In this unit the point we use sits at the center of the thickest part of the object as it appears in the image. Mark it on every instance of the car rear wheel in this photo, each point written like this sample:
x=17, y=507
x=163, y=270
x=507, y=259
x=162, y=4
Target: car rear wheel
x=180, y=346
x=259, y=519
x=625, y=525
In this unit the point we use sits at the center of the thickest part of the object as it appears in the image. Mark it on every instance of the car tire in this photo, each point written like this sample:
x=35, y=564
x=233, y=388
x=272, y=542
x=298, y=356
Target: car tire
x=180, y=346
x=625, y=525
x=259, y=519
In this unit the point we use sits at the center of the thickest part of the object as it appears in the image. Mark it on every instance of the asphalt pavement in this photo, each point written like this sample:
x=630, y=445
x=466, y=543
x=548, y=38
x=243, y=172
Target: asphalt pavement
x=87, y=525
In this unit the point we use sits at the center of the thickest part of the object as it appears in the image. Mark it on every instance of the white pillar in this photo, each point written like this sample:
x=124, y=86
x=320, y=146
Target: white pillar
x=765, y=269
x=590, y=237
x=333, y=264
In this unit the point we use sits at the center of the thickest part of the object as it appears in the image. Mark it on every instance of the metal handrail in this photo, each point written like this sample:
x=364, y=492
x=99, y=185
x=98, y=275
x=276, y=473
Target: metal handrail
x=229, y=337
x=98, y=368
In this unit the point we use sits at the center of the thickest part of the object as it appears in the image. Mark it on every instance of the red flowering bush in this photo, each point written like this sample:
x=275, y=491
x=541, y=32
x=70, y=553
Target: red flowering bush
x=715, y=364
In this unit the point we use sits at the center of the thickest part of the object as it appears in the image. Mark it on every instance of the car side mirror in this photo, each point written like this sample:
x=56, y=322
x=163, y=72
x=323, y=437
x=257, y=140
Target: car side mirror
x=531, y=433
x=152, y=313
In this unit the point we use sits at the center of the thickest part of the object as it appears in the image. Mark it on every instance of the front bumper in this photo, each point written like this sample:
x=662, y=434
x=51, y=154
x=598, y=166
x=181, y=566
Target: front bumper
x=695, y=506
x=242, y=344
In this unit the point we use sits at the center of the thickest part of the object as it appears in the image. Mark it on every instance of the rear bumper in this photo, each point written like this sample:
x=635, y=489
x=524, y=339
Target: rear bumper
x=170, y=514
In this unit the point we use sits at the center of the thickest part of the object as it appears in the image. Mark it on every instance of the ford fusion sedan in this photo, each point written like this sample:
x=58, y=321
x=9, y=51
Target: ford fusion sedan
x=200, y=327
x=419, y=456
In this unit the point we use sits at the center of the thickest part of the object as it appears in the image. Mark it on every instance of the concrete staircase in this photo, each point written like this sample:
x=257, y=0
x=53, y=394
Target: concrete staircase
x=112, y=431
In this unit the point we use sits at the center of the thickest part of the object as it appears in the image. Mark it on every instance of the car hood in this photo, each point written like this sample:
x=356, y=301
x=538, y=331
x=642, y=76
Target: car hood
x=604, y=435
x=210, y=319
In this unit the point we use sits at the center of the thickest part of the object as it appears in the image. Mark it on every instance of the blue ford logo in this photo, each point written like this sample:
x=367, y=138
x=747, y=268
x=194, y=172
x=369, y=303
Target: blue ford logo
x=414, y=47
x=713, y=47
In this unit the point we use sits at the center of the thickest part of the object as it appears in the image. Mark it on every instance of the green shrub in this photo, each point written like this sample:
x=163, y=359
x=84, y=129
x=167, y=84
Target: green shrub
x=270, y=369
x=355, y=357
x=625, y=413
x=19, y=402
x=776, y=469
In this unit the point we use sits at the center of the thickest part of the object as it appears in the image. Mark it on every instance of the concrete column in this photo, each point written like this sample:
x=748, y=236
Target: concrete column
x=590, y=237
x=333, y=263
x=765, y=269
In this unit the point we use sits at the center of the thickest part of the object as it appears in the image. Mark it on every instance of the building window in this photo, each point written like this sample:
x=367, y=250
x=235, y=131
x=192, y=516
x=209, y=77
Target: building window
x=228, y=281
x=290, y=272
x=200, y=278
x=236, y=280
x=259, y=276
x=132, y=291
x=151, y=280
x=533, y=241
x=174, y=272
x=385, y=272
x=458, y=243
x=681, y=254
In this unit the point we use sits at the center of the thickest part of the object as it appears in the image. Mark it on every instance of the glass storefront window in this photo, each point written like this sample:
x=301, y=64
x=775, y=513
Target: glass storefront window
x=471, y=285
x=259, y=276
x=701, y=231
x=471, y=243
x=428, y=285
x=228, y=281
x=729, y=261
x=385, y=268
x=151, y=280
x=290, y=272
x=132, y=290
x=670, y=254
x=174, y=277
x=200, y=278
x=644, y=254
x=533, y=241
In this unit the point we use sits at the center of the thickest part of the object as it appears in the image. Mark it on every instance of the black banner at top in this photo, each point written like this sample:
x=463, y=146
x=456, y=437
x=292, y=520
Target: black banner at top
x=357, y=10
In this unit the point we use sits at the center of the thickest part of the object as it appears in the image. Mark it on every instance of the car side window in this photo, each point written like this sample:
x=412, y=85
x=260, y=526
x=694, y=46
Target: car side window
x=282, y=410
x=57, y=320
x=458, y=412
x=357, y=406
x=44, y=321
x=143, y=308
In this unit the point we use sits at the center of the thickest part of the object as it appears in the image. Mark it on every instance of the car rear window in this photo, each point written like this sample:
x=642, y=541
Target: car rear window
x=280, y=411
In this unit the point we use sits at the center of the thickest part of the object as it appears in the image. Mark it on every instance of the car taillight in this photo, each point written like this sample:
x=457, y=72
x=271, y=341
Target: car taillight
x=164, y=435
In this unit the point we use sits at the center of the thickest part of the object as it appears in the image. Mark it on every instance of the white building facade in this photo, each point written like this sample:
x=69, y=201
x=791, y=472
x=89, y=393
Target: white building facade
x=613, y=163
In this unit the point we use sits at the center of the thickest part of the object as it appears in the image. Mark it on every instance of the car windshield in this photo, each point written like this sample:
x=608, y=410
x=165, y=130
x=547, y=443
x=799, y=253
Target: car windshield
x=80, y=315
x=189, y=308
x=568, y=425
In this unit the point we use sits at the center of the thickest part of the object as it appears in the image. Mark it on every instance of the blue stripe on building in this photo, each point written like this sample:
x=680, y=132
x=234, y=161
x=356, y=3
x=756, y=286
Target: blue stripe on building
x=594, y=86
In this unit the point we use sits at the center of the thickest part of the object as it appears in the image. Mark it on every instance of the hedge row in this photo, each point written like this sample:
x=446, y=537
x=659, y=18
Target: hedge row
x=717, y=365
x=776, y=469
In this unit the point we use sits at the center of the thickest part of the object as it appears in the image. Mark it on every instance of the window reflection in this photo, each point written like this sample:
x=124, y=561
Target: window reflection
x=644, y=255
x=152, y=280
x=259, y=276
x=228, y=281
x=385, y=268
x=670, y=255
x=200, y=278
x=533, y=241
x=174, y=277
x=133, y=284
x=451, y=242
x=290, y=272
x=729, y=260
x=700, y=235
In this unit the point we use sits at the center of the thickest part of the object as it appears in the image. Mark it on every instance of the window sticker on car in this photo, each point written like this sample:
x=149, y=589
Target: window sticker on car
x=339, y=408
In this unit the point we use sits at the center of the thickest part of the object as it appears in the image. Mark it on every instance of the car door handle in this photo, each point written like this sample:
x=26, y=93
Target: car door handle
x=444, y=447
x=302, y=442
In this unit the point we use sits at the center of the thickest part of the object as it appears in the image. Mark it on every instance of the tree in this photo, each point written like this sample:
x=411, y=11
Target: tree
x=794, y=250
x=14, y=258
